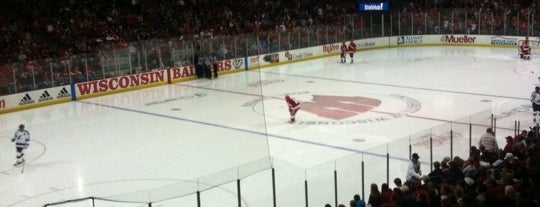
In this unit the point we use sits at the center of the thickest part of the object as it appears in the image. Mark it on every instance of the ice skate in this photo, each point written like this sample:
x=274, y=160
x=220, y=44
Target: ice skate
x=18, y=162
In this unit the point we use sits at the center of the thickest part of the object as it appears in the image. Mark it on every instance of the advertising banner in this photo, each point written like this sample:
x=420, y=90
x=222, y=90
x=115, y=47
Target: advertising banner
x=35, y=98
x=121, y=83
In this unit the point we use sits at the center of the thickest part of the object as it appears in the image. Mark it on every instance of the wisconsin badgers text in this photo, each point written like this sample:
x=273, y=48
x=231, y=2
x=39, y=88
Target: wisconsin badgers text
x=120, y=82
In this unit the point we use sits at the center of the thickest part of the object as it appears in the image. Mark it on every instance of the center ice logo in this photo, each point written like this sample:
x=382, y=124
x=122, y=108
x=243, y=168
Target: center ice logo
x=339, y=107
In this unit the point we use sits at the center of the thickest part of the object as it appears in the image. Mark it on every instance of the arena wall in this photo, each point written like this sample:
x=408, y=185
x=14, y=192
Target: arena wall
x=78, y=91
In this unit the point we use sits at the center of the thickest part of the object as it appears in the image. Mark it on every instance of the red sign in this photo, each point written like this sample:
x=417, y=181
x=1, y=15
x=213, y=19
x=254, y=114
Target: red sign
x=330, y=48
x=120, y=82
x=183, y=72
x=224, y=65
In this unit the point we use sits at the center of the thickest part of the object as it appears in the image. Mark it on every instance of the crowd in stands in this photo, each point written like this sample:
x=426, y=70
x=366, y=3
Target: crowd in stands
x=497, y=17
x=43, y=30
x=507, y=176
x=39, y=29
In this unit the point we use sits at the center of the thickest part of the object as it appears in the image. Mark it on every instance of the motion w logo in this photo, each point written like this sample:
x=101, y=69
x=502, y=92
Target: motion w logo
x=339, y=107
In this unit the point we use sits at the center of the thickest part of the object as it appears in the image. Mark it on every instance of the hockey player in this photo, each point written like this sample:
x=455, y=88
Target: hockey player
x=352, y=50
x=207, y=67
x=294, y=106
x=535, y=100
x=214, y=60
x=22, y=141
x=525, y=50
x=343, y=52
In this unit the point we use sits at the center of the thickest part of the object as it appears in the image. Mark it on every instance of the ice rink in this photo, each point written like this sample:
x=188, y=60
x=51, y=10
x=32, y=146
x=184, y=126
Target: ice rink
x=147, y=141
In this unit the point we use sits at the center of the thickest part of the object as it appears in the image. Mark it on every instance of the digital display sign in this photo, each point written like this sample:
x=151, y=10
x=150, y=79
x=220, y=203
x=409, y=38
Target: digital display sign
x=374, y=6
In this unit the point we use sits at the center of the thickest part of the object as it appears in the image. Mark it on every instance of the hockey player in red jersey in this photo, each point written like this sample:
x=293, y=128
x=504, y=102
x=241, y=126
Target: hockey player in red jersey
x=294, y=106
x=352, y=50
x=343, y=52
x=525, y=50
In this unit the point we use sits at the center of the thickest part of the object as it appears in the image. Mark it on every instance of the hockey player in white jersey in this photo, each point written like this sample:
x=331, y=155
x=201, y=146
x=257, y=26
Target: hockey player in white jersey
x=535, y=100
x=22, y=141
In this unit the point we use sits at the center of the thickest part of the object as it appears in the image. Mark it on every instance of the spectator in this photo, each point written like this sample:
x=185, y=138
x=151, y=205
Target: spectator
x=398, y=183
x=352, y=203
x=481, y=194
x=375, y=196
x=406, y=198
x=489, y=142
x=474, y=152
x=509, y=144
x=421, y=200
x=437, y=174
x=469, y=167
x=455, y=172
x=76, y=75
x=358, y=201
x=388, y=195
x=420, y=193
x=90, y=73
x=413, y=171
x=444, y=163
x=521, y=136
x=433, y=194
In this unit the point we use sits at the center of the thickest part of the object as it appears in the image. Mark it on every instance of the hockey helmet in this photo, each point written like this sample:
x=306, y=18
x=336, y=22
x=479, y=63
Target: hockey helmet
x=21, y=126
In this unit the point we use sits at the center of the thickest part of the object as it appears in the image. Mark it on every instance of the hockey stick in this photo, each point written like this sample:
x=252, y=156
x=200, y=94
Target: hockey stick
x=22, y=168
x=24, y=161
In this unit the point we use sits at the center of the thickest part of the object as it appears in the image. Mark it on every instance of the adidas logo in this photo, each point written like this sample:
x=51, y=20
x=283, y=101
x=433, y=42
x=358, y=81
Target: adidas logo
x=26, y=100
x=64, y=93
x=45, y=96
